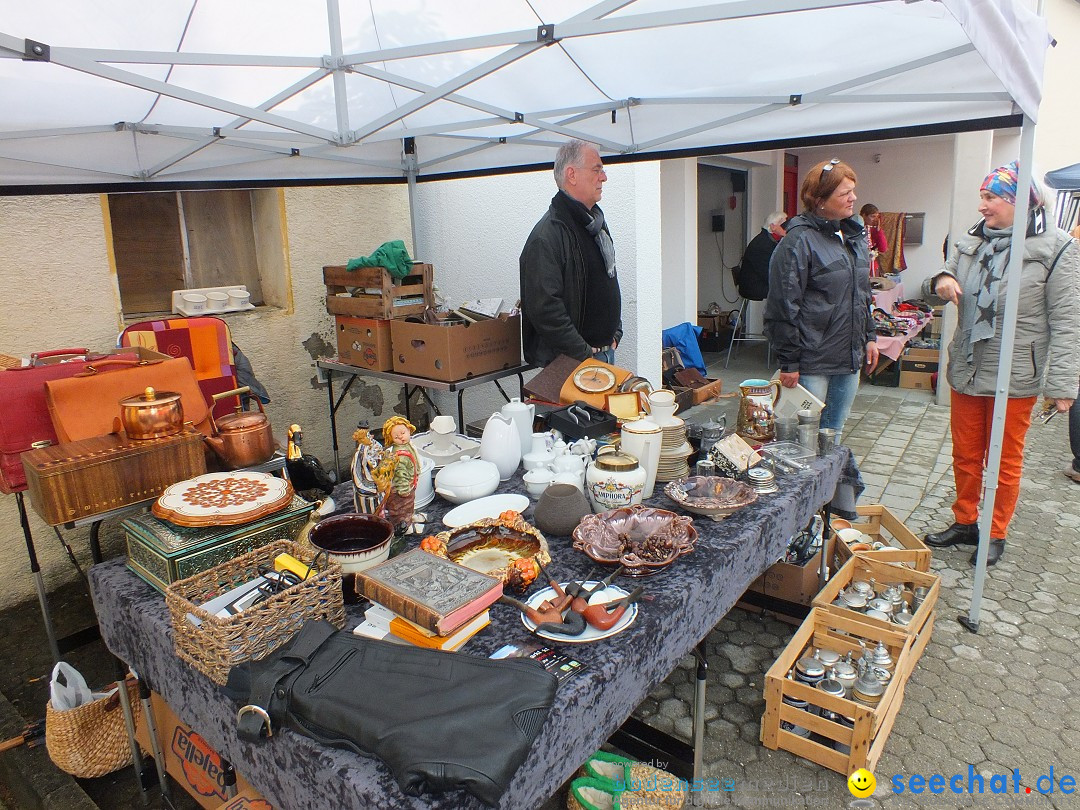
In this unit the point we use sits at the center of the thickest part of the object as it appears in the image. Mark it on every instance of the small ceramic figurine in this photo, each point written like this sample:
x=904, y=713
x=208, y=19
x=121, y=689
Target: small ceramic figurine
x=398, y=472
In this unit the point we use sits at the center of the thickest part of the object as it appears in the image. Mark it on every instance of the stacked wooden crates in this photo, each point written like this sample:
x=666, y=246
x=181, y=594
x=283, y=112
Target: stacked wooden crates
x=362, y=318
x=836, y=745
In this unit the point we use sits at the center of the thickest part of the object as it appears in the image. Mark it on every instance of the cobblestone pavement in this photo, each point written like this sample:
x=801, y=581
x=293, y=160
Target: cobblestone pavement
x=1000, y=700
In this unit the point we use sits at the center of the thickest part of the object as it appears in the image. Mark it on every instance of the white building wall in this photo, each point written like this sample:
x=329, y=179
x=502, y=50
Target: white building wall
x=61, y=292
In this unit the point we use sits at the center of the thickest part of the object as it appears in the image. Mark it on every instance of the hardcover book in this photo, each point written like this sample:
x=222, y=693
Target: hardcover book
x=435, y=593
x=392, y=625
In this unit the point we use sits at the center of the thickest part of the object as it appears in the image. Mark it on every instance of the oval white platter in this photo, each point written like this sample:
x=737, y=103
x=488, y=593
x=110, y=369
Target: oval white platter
x=490, y=506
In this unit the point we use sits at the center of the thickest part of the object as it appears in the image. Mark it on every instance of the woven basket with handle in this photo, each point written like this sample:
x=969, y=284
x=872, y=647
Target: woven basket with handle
x=90, y=740
x=214, y=645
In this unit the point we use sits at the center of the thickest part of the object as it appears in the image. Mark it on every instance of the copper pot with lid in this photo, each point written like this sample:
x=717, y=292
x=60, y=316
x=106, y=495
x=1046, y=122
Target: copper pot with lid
x=152, y=414
x=244, y=438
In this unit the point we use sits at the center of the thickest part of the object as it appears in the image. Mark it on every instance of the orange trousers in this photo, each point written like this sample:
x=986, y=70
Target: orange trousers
x=971, y=420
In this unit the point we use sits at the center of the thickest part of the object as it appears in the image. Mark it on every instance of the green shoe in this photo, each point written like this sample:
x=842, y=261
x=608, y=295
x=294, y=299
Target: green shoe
x=592, y=794
x=651, y=788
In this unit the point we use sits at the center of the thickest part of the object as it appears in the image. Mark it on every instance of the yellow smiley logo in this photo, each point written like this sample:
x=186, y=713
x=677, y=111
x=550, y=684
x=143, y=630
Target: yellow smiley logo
x=861, y=783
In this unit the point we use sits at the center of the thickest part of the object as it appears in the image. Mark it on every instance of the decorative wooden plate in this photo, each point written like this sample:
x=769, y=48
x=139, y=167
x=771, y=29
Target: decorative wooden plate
x=223, y=499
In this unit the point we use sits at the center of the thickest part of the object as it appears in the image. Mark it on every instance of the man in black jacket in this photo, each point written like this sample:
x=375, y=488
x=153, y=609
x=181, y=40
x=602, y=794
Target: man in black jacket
x=570, y=298
x=753, y=279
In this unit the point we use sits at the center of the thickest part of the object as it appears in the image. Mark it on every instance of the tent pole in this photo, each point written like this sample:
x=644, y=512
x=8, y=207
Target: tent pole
x=411, y=169
x=1001, y=395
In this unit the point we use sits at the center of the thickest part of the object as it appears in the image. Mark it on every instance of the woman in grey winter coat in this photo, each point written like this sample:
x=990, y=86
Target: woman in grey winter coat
x=1045, y=355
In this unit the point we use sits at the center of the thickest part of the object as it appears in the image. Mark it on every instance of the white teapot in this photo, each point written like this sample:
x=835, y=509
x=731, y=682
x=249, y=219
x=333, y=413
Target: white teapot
x=501, y=444
x=522, y=415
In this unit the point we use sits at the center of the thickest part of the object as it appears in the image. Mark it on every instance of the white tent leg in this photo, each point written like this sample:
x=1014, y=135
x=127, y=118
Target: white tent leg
x=1001, y=396
x=411, y=168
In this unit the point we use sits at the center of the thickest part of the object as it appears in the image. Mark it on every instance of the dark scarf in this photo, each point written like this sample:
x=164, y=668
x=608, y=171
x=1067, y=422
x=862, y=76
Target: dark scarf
x=592, y=220
x=595, y=228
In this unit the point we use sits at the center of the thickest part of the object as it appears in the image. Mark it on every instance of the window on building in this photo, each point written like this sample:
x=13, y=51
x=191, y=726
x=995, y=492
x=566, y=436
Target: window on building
x=165, y=241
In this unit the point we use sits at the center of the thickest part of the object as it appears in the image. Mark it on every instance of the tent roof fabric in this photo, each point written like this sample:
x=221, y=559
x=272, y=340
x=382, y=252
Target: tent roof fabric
x=193, y=92
x=1065, y=179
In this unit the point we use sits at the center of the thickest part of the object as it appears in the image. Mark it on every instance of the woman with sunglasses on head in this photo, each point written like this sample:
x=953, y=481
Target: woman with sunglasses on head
x=1044, y=356
x=817, y=315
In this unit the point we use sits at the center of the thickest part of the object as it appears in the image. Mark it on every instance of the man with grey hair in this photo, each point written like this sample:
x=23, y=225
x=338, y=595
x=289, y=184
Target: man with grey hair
x=570, y=298
x=752, y=278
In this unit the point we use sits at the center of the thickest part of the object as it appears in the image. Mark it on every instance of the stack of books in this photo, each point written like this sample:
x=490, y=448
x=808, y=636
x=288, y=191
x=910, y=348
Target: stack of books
x=426, y=600
x=380, y=622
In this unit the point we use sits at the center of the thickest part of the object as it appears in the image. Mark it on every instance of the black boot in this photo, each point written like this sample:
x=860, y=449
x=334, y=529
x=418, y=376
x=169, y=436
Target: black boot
x=993, y=554
x=958, y=534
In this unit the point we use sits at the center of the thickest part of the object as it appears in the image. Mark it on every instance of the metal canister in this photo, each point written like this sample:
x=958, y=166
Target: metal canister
x=809, y=671
x=882, y=658
x=828, y=658
x=845, y=672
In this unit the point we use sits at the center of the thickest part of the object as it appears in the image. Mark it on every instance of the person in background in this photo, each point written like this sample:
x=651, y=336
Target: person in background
x=817, y=315
x=1047, y=336
x=1073, y=470
x=570, y=298
x=875, y=237
x=753, y=277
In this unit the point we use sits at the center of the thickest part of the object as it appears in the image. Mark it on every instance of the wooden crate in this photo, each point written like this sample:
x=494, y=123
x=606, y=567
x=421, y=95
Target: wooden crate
x=384, y=299
x=866, y=740
x=882, y=525
x=863, y=567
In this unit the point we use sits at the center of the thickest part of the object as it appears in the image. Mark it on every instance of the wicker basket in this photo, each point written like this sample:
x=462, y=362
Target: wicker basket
x=90, y=740
x=216, y=645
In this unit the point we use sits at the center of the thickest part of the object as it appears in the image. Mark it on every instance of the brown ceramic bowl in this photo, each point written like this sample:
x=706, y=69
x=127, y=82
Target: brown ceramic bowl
x=642, y=539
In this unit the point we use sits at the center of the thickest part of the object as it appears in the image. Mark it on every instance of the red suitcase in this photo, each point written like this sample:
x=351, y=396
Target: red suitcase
x=24, y=414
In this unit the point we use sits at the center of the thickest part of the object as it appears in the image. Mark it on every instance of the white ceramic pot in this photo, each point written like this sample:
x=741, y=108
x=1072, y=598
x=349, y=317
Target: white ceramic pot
x=501, y=444
x=613, y=481
x=239, y=298
x=194, y=302
x=217, y=301
x=425, y=489
x=522, y=415
x=536, y=481
x=467, y=479
x=355, y=541
x=644, y=439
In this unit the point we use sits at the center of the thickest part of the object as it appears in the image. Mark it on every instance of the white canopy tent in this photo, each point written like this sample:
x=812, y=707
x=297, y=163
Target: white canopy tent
x=125, y=93
x=128, y=95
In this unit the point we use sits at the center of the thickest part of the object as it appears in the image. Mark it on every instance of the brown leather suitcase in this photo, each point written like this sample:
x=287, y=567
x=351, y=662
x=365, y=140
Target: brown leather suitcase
x=76, y=480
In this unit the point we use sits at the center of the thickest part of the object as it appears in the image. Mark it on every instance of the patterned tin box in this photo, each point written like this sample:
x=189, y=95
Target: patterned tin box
x=162, y=553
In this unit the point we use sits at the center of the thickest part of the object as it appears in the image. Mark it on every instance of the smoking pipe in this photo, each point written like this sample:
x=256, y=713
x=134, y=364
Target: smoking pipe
x=562, y=602
x=600, y=617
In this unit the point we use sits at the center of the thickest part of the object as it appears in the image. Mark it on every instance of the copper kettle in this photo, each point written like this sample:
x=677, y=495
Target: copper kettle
x=241, y=439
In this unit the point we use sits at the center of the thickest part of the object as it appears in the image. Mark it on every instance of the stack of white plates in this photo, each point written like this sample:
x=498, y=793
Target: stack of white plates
x=674, y=451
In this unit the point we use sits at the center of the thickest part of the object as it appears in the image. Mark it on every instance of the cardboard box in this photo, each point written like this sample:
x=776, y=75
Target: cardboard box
x=364, y=342
x=190, y=761
x=458, y=351
x=917, y=367
x=792, y=583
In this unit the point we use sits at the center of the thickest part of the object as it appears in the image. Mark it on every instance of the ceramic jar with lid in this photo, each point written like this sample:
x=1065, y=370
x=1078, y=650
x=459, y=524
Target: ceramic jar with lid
x=614, y=480
x=845, y=672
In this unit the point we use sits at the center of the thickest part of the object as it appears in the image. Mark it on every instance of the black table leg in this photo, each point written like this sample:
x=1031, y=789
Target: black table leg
x=39, y=582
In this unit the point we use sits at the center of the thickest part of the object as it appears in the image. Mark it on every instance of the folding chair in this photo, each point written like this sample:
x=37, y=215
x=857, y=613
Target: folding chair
x=205, y=341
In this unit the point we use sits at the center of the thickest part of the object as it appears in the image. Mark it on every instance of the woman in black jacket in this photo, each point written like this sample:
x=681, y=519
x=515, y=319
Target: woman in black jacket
x=817, y=315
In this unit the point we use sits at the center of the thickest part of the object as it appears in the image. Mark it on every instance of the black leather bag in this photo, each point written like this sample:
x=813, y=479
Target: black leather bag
x=440, y=721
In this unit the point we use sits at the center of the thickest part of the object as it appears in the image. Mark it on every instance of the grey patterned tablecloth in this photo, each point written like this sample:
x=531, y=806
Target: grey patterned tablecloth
x=683, y=604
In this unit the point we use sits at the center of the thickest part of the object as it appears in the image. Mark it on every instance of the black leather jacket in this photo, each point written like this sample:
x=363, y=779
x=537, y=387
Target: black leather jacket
x=552, y=275
x=817, y=315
